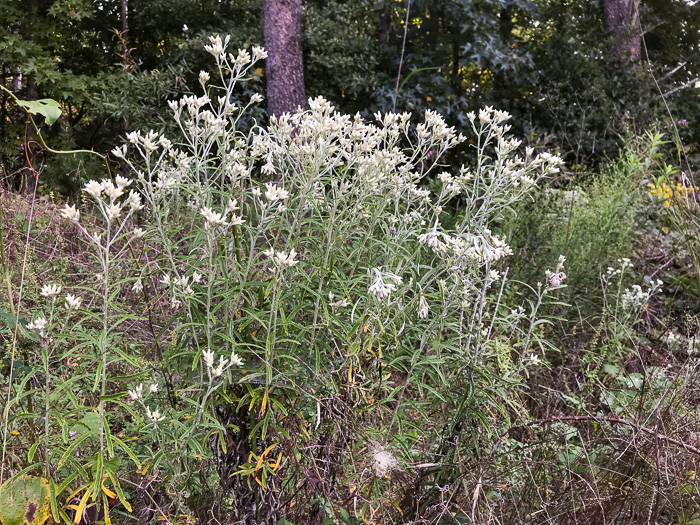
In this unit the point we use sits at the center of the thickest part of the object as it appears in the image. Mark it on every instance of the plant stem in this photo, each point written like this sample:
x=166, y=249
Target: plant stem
x=5, y=266
x=105, y=319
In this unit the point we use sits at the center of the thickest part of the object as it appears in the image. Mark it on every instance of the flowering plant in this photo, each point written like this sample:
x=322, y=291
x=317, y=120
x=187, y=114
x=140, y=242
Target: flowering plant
x=296, y=277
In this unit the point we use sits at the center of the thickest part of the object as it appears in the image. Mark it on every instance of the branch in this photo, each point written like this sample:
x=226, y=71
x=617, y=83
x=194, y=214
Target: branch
x=621, y=421
x=686, y=85
x=671, y=72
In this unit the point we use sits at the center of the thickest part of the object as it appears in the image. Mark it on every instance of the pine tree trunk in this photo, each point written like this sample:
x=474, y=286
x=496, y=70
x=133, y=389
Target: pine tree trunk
x=622, y=17
x=285, y=66
x=127, y=61
x=124, y=37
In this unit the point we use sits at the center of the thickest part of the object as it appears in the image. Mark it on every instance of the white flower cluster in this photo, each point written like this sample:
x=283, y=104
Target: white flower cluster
x=182, y=287
x=110, y=207
x=490, y=117
x=479, y=248
x=331, y=140
x=483, y=249
x=280, y=259
x=70, y=213
x=466, y=247
x=636, y=296
x=423, y=308
x=337, y=303
x=203, y=123
x=215, y=221
x=73, y=301
x=274, y=193
x=432, y=239
x=457, y=184
x=223, y=365
x=624, y=264
x=50, y=291
x=137, y=394
x=147, y=144
x=39, y=324
x=155, y=415
x=206, y=120
x=384, y=284
x=217, y=47
x=495, y=184
x=169, y=177
x=556, y=278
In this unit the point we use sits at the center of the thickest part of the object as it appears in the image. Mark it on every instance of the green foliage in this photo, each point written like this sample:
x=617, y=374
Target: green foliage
x=289, y=312
x=544, y=61
x=593, y=223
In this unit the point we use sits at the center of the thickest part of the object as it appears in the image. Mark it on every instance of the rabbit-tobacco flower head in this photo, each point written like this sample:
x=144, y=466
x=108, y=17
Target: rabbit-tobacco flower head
x=274, y=193
x=73, y=301
x=259, y=53
x=212, y=218
x=50, y=291
x=154, y=415
x=70, y=213
x=423, y=307
x=281, y=259
x=94, y=189
x=136, y=393
x=38, y=324
x=379, y=287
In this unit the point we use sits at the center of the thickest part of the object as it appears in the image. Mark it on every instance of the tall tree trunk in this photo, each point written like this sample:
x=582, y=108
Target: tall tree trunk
x=16, y=80
x=127, y=61
x=622, y=18
x=125, y=28
x=384, y=28
x=284, y=70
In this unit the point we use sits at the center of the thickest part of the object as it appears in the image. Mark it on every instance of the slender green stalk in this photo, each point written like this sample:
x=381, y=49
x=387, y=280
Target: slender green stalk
x=6, y=414
x=105, y=332
x=5, y=265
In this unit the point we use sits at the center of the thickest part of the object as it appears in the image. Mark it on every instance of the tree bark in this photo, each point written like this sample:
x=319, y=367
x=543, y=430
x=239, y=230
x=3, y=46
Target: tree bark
x=622, y=18
x=384, y=29
x=16, y=80
x=124, y=10
x=284, y=68
x=127, y=61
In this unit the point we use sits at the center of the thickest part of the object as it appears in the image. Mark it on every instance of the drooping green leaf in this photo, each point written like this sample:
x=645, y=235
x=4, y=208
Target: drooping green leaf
x=47, y=107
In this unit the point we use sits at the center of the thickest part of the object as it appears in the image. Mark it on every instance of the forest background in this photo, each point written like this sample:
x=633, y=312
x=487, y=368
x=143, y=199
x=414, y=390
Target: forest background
x=567, y=71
